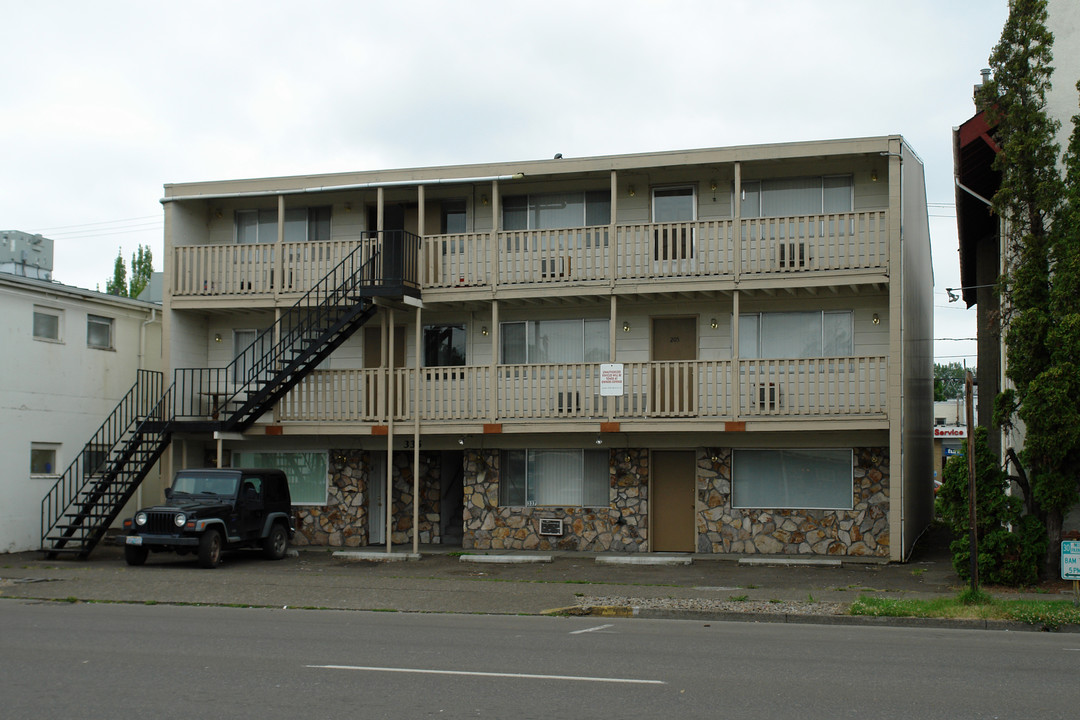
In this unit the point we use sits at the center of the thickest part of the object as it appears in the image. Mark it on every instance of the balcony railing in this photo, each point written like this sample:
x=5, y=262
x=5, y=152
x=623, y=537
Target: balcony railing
x=810, y=388
x=627, y=252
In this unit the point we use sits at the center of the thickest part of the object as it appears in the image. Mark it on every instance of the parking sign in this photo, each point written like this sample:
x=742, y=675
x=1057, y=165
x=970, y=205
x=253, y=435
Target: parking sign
x=1070, y=559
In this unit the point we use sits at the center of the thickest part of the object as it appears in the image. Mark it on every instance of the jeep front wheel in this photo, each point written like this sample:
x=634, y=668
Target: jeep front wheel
x=276, y=543
x=210, y=549
x=135, y=555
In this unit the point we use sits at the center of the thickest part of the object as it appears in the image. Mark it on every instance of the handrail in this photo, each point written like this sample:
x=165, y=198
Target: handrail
x=390, y=263
x=139, y=403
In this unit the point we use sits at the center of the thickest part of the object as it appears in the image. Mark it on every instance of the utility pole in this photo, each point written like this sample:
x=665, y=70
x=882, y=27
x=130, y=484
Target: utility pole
x=969, y=386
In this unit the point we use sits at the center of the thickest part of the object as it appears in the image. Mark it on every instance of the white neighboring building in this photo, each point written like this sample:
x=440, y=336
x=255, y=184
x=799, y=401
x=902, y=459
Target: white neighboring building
x=70, y=356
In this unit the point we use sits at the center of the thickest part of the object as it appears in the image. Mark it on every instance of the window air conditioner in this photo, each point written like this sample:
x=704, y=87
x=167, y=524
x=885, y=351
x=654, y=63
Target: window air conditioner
x=767, y=396
x=551, y=526
x=793, y=255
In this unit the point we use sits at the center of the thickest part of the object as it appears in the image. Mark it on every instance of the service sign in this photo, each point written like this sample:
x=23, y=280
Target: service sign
x=1070, y=559
x=950, y=431
x=611, y=379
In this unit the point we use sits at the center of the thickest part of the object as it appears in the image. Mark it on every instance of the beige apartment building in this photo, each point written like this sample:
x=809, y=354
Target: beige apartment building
x=717, y=351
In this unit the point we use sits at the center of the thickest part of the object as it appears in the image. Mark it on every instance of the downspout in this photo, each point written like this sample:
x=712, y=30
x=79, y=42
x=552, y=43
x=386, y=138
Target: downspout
x=142, y=355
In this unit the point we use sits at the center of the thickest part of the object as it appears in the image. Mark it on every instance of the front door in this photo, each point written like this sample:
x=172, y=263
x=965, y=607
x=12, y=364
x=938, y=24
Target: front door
x=672, y=379
x=673, y=475
x=375, y=405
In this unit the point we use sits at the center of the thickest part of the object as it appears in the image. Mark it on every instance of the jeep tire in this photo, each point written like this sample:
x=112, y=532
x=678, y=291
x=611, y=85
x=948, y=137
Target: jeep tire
x=135, y=554
x=276, y=544
x=210, y=548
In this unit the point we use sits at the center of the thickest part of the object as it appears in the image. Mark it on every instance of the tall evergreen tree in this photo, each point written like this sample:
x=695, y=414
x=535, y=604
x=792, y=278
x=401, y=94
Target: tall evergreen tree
x=117, y=284
x=1030, y=200
x=142, y=267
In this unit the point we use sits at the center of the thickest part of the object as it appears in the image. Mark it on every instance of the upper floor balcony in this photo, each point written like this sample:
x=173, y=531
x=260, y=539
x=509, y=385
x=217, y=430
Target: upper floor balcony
x=842, y=243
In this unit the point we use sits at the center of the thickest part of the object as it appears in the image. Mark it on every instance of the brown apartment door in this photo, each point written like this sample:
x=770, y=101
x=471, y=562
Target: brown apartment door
x=674, y=503
x=672, y=380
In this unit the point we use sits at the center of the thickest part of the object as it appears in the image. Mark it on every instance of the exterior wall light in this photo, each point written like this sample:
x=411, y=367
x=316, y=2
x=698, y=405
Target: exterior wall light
x=630, y=191
x=625, y=326
x=713, y=324
x=484, y=331
x=877, y=320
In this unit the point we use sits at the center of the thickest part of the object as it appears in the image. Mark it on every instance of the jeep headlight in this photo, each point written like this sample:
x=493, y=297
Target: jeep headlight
x=179, y=519
x=140, y=518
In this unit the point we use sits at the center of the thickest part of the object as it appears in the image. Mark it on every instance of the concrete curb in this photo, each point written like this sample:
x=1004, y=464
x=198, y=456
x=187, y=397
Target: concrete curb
x=506, y=559
x=662, y=560
x=374, y=556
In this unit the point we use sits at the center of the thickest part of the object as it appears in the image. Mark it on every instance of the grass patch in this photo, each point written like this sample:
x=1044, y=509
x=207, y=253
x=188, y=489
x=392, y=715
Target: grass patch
x=918, y=571
x=739, y=598
x=1048, y=614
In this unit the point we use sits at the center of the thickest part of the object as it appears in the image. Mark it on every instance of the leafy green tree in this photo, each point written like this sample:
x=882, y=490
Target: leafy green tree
x=117, y=284
x=1031, y=199
x=949, y=381
x=142, y=267
x=1010, y=545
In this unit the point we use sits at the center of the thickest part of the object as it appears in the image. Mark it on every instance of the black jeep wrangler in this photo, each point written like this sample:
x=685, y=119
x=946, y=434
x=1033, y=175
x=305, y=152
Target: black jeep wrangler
x=208, y=511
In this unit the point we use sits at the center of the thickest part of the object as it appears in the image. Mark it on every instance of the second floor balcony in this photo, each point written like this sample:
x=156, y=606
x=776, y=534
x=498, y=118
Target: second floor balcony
x=603, y=255
x=809, y=389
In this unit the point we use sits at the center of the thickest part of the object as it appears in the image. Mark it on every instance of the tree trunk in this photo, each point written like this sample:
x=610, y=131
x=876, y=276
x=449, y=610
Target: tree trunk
x=1053, y=546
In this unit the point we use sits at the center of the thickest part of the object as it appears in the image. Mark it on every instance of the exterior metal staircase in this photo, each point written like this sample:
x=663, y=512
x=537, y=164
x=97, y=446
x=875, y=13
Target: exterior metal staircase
x=78, y=511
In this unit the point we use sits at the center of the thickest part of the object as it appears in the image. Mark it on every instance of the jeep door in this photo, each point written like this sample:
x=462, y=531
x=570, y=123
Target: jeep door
x=251, y=508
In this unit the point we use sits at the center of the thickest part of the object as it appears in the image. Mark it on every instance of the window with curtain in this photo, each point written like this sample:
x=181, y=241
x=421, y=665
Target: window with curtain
x=796, y=334
x=556, y=210
x=673, y=204
x=99, y=332
x=444, y=345
x=306, y=472
x=47, y=323
x=452, y=217
x=797, y=196
x=562, y=478
x=260, y=226
x=805, y=479
x=554, y=341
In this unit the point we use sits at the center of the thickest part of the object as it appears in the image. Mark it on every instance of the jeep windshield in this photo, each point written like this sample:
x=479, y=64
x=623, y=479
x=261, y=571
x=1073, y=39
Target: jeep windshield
x=204, y=484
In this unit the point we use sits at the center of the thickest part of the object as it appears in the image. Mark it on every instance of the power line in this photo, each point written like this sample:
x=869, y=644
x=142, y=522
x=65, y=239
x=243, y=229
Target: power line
x=103, y=222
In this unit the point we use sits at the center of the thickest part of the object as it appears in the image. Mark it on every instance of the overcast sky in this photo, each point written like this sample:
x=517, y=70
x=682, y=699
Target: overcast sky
x=102, y=103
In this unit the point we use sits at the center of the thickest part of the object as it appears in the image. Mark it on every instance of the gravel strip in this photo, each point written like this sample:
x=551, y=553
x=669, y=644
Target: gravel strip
x=785, y=607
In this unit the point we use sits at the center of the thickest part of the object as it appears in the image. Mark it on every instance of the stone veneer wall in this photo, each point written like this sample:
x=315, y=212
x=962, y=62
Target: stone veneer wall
x=861, y=531
x=621, y=527
x=343, y=521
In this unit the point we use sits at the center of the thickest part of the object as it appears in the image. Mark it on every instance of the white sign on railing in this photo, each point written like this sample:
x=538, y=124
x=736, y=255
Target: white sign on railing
x=611, y=379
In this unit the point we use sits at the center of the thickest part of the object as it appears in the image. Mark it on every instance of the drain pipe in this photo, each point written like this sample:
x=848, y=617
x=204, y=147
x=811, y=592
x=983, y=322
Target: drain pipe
x=142, y=356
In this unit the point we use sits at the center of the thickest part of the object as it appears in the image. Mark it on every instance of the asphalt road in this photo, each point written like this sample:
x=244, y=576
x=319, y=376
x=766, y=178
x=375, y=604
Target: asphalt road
x=113, y=660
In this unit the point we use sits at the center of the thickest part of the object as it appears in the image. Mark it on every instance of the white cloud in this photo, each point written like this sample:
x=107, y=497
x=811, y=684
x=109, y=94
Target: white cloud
x=115, y=99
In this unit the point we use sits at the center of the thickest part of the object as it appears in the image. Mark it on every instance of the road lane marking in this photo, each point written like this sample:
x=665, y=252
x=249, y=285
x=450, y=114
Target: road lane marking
x=592, y=629
x=523, y=676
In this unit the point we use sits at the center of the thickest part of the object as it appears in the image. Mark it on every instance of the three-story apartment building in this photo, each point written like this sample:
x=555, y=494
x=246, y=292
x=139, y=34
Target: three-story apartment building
x=717, y=351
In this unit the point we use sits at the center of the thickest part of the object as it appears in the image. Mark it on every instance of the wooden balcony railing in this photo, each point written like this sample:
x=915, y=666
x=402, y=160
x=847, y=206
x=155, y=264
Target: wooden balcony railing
x=629, y=252
x=810, y=388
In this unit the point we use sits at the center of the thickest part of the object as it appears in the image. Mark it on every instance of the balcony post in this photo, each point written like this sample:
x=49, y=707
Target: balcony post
x=420, y=230
x=278, y=271
x=613, y=255
x=737, y=233
x=496, y=227
x=736, y=375
x=390, y=410
x=493, y=368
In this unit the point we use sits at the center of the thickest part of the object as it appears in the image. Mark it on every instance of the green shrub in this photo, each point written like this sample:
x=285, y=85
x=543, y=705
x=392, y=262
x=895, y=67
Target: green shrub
x=1011, y=546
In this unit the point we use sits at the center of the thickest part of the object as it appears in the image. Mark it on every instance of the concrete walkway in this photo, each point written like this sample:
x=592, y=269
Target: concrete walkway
x=448, y=580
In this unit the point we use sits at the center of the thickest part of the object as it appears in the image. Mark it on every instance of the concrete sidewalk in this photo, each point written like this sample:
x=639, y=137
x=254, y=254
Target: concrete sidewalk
x=441, y=581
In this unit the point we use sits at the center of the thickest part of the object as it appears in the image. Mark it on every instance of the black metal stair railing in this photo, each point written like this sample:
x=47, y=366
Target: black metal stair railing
x=235, y=396
x=83, y=501
x=88, y=496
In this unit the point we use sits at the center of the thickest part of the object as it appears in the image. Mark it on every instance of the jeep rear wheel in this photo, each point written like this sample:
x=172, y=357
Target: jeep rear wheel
x=135, y=555
x=210, y=549
x=276, y=543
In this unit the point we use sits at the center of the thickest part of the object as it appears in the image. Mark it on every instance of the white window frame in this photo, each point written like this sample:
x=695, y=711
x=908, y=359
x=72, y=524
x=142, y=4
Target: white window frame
x=52, y=447
x=693, y=201
x=48, y=312
x=756, y=318
x=759, y=184
x=533, y=199
x=105, y=321
x=530, y=335
x=526, y=485
x=238, y=460
x=266, y=224
x=756, y=477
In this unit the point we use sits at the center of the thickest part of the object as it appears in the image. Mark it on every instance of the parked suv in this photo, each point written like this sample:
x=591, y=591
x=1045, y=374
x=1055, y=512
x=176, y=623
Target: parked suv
x=208, y=511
